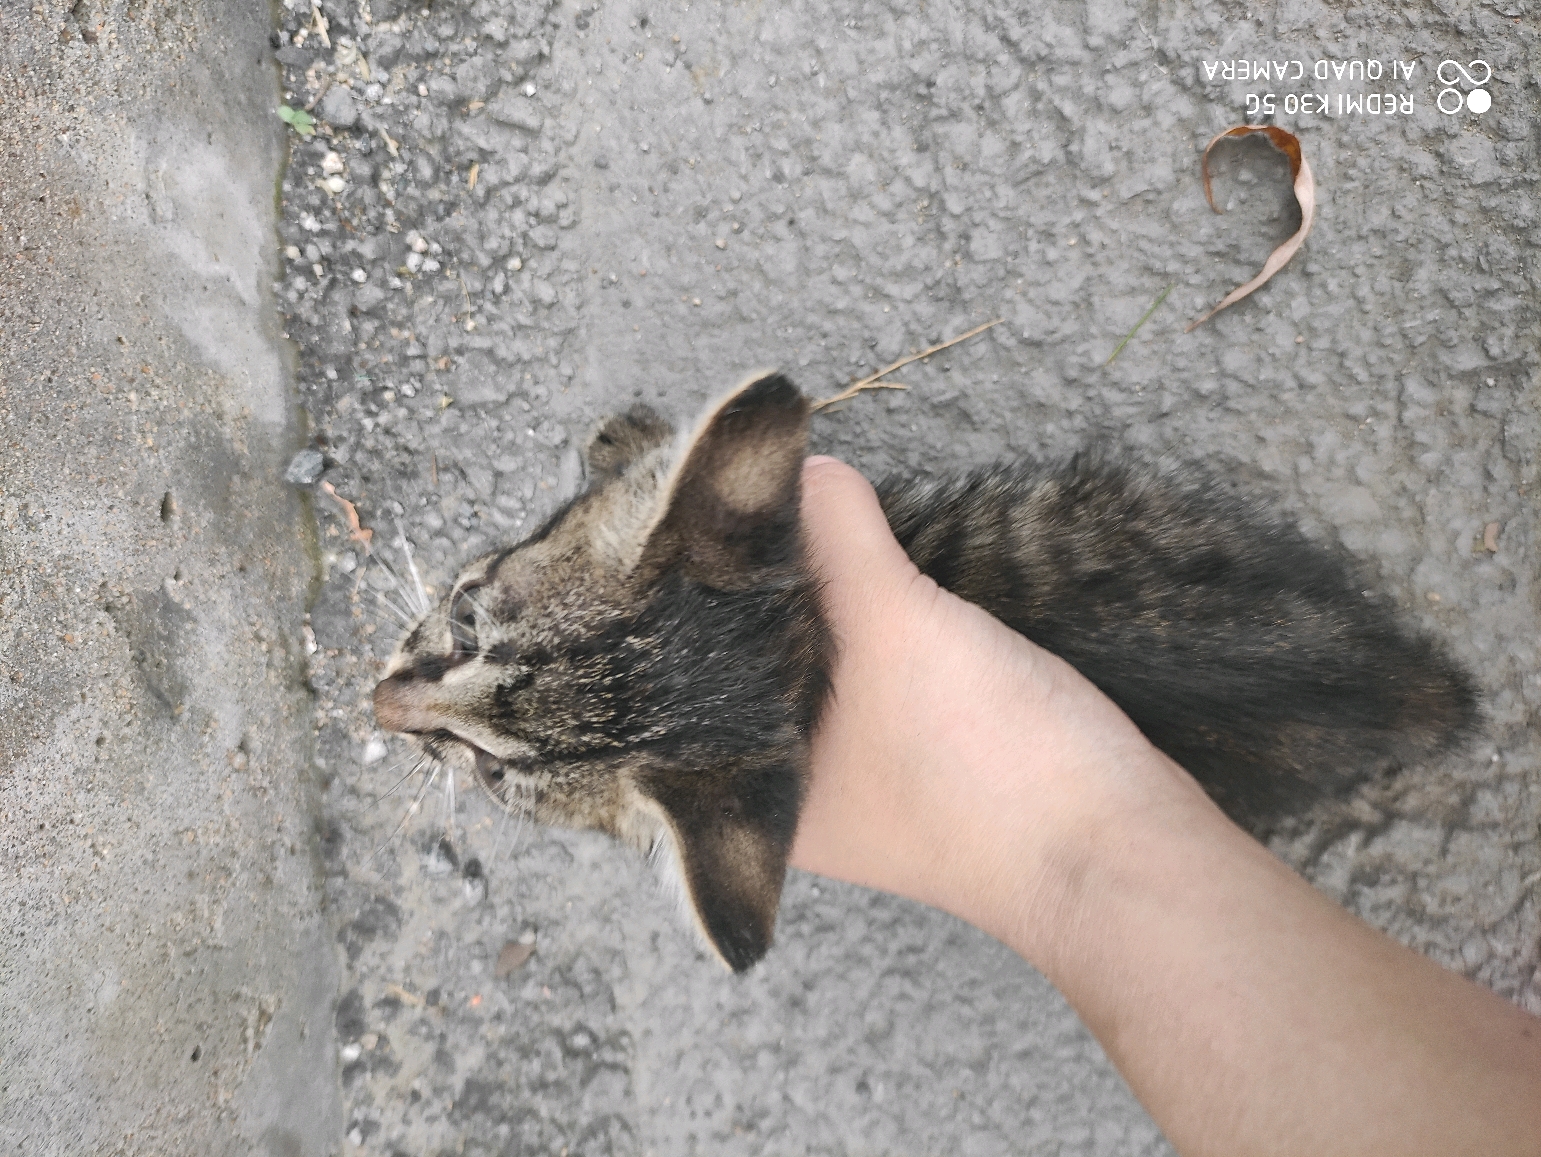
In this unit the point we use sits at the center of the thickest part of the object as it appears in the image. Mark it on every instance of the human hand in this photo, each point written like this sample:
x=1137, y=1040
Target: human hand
x=957, y=763
x=960, y=765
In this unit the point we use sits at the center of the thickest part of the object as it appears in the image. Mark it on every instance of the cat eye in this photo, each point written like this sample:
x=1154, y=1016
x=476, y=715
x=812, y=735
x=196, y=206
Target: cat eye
x=462, y=624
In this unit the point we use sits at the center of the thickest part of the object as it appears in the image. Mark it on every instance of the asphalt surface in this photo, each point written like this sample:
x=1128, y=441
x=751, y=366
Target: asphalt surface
x=664, y=199
x=518, y=218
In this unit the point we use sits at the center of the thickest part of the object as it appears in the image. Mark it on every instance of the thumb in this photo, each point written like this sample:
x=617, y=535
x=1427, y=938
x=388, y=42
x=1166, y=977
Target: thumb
x=852, y=548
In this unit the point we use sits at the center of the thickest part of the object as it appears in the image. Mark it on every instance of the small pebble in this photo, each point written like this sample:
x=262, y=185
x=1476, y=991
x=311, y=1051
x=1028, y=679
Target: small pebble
x=337, y=107
x=334, y=184
x=375, y=750
x=332, y=163
x=721, y=243
x=305, y=467
x=513, y=955
x=359, y=276
x=1490, y=537
x=292, y=252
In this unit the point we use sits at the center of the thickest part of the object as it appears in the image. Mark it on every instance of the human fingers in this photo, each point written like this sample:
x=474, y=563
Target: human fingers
x=852, y=548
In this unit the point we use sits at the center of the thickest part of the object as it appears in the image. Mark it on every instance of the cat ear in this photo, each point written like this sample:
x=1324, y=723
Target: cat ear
x=729, y=508
x=623, y=438
x=732, y=835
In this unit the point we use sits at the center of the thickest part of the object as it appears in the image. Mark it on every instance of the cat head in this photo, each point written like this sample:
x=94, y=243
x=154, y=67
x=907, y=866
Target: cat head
x=650, y=662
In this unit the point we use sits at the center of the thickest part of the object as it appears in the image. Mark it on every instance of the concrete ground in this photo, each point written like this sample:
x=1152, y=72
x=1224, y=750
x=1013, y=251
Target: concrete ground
x=166, y=971
x=519, y=217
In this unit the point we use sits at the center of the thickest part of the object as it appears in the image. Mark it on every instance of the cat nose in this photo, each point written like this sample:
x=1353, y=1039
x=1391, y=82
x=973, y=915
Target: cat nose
x=401, y=705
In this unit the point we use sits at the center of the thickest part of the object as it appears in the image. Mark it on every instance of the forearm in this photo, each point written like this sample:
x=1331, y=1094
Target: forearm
x=1251, y=1015
x=961, y=766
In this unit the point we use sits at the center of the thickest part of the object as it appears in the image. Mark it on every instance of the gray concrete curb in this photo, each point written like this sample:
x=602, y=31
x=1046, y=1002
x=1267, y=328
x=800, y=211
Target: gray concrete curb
x=167, y=974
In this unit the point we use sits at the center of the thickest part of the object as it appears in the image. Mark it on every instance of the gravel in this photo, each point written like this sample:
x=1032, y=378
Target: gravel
x=559, y=211
x=305, y=467
x=338, y=108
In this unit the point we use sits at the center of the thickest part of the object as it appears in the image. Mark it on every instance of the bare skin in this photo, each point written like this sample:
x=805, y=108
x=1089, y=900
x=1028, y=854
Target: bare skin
x=963, y=767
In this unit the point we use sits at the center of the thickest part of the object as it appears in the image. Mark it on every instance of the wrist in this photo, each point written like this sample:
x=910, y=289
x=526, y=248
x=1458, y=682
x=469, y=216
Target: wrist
x=1044, y=787
x=1120, y=850
x=1093, y=837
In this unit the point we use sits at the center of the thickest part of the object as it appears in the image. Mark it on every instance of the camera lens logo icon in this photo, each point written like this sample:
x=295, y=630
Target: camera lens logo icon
x=1452, y=73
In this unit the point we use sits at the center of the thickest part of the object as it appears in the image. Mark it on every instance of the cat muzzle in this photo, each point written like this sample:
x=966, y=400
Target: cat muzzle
x=402, y=706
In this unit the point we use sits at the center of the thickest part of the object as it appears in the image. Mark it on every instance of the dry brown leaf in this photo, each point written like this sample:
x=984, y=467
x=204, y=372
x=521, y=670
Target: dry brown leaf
x=356, y=533
x=1305, y=193
x=870, y=382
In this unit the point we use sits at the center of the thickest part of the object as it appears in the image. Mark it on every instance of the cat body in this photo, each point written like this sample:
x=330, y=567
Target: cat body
x=652, y=661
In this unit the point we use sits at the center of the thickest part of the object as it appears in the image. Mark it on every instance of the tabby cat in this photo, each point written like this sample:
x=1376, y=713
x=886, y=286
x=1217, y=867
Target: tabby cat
x=652, y=660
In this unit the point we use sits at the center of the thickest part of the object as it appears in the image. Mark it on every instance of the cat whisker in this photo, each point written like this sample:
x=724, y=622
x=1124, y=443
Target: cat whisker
x=449, y=807
x=497, y=841
x=378, y=617
x=375, y=611
x=521, y=826
x=520, y=807
x=407, y=592
x=417, y=579
x=417, y=766
x=365, y=769
x=412, y=809
x=470, y=596
x=406, y=619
